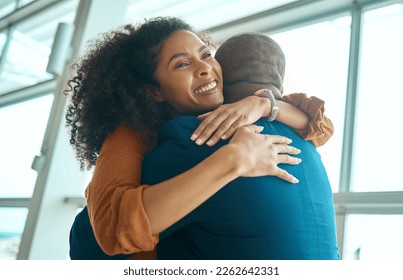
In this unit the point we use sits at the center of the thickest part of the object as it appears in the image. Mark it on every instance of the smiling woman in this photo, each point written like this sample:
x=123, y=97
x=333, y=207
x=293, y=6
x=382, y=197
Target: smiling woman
x=167, y=71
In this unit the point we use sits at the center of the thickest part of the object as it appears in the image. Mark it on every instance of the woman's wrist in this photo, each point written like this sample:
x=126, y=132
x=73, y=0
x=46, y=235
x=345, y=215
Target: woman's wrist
x=264, y=103
x=234, y=157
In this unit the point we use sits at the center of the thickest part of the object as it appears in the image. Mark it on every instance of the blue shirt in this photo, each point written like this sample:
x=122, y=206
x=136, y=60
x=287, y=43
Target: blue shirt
x=250, y=218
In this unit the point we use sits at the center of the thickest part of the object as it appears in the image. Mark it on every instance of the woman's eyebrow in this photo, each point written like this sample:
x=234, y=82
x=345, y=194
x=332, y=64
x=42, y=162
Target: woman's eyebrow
x=185, y=53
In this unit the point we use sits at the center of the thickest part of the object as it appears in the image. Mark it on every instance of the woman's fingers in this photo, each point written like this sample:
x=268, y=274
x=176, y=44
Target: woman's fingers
x=286, y=159
x=205, y=115
x=226, y=119
x=278, y=139
x=213, y=127
x=207, y=126
x=231, y=124
x=282, y=174
x=287, y=149
x=253, y=128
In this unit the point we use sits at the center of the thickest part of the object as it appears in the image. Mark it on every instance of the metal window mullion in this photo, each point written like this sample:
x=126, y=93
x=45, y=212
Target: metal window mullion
x=349, y=116
x=15, y=202
x=6, y=47
x=27, y=93
x=369, y=202
x=351, y=98
x=340, y=224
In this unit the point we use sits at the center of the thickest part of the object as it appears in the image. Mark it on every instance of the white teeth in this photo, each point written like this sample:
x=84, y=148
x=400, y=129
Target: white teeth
x=207, y=87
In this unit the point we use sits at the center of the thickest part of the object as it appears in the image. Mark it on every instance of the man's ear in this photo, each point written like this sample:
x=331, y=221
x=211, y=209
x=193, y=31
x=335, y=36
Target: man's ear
x=155, y=93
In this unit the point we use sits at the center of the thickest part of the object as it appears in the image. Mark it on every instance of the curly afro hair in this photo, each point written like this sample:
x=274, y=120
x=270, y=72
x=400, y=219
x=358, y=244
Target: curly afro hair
x=109, y=85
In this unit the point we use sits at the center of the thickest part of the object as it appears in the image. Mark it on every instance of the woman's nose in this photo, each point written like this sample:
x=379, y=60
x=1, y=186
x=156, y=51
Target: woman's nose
x=203, y=68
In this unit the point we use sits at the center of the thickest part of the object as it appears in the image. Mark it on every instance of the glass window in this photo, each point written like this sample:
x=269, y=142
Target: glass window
x=376, y=155
x=196, y=12
x=317, y=64
x=11, y=228
x=30, y=47
x=373, y=237
x=7, y=7
x=24, y=126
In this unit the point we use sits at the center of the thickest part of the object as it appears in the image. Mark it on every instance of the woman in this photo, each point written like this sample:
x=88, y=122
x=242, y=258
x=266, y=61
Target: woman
x=127, y=217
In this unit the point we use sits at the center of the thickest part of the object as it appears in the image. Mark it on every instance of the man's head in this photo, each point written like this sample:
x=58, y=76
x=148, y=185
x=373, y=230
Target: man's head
x=250, y=61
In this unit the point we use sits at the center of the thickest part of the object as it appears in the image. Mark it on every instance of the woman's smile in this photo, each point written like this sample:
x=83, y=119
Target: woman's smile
x=209, y=88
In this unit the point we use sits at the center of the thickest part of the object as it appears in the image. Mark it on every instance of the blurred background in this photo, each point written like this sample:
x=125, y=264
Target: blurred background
x=348, y=53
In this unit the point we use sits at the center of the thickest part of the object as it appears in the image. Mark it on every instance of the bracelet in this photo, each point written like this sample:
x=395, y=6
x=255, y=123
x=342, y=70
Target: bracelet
x=274, y=108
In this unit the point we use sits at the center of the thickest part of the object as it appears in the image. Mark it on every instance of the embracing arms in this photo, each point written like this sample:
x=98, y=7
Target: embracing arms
x=127, y=216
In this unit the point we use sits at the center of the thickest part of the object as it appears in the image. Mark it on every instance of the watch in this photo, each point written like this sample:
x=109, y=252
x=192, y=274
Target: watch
x=274, y=108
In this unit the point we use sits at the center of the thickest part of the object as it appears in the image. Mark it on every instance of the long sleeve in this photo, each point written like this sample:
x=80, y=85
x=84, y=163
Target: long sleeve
x=114, y=196
x=320, y=127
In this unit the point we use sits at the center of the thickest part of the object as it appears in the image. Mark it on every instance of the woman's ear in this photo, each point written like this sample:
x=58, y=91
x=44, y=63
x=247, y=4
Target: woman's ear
x=155, y=93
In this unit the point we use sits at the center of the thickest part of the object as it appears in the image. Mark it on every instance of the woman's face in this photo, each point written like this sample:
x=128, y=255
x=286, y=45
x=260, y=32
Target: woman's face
x=189, y=76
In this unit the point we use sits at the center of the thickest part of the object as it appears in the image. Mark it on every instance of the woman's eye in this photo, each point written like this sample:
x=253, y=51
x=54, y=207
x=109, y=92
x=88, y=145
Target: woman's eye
x=206, y=55
x=182, y=64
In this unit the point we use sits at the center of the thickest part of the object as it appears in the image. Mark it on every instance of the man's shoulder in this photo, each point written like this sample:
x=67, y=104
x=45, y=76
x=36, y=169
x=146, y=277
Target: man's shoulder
x=180, y=127
x=175, y=152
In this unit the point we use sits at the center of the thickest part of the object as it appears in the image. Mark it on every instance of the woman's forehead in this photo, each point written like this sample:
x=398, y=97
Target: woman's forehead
x=181, y=41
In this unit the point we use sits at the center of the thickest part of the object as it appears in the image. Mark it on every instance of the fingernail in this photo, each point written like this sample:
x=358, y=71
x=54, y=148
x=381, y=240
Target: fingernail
x=199, y=141
x=223, y=137
x=193, y=137
x=209, y=143
x=298, y=160
x=289, y=141
x=295, y=180
x=298, y=150
x=260, y=128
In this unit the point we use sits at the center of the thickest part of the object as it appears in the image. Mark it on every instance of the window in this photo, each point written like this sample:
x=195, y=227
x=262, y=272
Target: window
x=374, y=237
x=25, y=124
x=31, y=42
x=9, y=6
x=376, y=164
x=26, y=97
x=319, y=68
x=11, y=227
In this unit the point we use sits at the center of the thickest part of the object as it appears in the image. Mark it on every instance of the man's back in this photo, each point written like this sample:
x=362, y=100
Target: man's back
x=250, y=218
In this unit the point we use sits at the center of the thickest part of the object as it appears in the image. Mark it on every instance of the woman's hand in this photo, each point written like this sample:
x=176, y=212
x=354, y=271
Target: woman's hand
x=226, y=119
x=260, y=154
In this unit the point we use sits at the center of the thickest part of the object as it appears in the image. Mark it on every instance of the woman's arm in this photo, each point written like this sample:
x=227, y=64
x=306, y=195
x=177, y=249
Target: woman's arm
x=226, y=119
x=247, y=154
x=320, y=128
x=127, y=217
x=305, y=115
